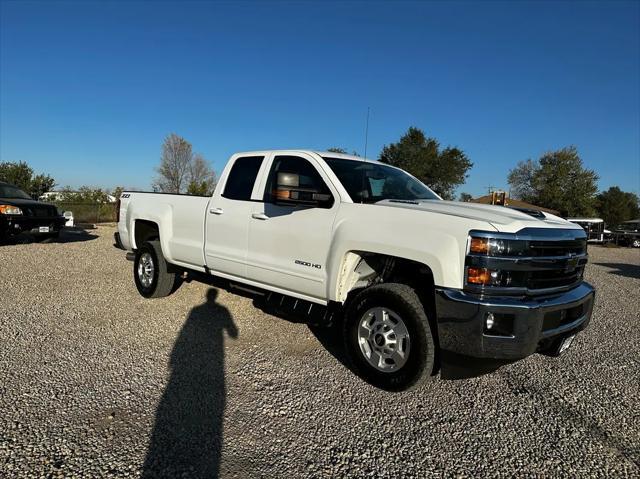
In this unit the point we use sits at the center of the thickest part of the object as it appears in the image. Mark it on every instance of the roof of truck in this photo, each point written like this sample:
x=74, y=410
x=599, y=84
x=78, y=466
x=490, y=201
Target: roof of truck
x=330, y=154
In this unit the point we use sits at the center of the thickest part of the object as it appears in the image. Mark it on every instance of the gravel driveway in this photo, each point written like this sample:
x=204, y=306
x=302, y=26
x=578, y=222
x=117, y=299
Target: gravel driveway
x=97, y=381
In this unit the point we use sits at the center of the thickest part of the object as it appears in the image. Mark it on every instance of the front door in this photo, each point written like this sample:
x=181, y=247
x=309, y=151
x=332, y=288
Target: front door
x=289, y=244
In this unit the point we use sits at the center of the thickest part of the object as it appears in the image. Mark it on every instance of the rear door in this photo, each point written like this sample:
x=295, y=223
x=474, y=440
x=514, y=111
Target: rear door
x=227, y=218
x=289, y=244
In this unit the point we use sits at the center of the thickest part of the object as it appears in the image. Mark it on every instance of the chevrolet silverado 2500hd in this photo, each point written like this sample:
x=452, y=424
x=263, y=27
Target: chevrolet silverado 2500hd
x=418, y=282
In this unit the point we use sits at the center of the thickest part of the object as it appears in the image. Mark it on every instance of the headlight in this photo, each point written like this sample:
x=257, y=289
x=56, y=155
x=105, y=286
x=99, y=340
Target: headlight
x=10, y=210
x=496, y=247
x=490, y=277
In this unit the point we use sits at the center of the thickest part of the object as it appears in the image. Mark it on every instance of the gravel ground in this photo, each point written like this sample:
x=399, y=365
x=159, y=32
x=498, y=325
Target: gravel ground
x=97, y=381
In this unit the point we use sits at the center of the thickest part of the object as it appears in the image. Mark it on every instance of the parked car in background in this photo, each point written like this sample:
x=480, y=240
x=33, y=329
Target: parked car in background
x=69, y=220
x=628, y=233
x=595, y=228
x=424, y=285
x=19, y=214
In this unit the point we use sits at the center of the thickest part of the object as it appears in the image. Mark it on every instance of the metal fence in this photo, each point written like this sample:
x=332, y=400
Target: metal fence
x=90, y=212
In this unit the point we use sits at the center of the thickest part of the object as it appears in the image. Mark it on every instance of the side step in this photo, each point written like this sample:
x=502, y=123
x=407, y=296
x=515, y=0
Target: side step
x=299, y=309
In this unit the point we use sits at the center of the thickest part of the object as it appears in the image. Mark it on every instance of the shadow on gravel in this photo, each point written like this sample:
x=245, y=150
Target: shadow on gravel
x=187, y=435
x=75, y=235
x=67, y=235
x=622, y=269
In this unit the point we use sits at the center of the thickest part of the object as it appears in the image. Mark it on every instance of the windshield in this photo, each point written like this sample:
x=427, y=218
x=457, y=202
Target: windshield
x=8, y=191
x=368, y=182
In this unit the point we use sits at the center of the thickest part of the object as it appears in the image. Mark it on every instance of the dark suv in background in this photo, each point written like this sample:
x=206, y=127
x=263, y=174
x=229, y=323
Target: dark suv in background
x=20, y=214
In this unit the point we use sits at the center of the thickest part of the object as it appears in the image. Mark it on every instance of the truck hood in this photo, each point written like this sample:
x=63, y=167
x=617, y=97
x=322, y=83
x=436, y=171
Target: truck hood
x=501, y=218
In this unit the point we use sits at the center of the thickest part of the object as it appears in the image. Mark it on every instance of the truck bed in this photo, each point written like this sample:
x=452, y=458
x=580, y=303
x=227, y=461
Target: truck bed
x=180, y=218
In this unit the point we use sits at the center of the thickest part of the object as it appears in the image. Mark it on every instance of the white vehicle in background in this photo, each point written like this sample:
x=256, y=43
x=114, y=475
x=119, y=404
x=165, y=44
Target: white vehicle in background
x=69, y=220
x=594, y=227
x=423, y=285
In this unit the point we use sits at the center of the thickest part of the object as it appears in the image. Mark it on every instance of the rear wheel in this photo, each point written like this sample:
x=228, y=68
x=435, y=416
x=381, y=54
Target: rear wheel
x=636, y=243
x=151, y=272
x=388, y=337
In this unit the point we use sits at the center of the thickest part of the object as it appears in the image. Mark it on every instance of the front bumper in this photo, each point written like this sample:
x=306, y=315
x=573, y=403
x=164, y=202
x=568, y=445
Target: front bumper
x=528, y=325
x=14, y=225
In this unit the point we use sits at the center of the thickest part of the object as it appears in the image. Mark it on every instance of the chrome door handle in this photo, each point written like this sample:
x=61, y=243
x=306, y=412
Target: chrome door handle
x=216, y=211
x=259, y=216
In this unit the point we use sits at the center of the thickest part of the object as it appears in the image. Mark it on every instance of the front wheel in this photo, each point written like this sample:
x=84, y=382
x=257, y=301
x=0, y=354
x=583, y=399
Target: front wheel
x=151, y=272
x=388, y=337
x=636, y=243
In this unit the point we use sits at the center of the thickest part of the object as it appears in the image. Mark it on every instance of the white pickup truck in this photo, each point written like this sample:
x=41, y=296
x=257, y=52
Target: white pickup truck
x=421, y=285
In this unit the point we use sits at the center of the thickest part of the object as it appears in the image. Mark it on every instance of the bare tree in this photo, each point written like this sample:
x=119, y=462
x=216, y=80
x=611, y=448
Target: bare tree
x=175, y=165
x=202, y=177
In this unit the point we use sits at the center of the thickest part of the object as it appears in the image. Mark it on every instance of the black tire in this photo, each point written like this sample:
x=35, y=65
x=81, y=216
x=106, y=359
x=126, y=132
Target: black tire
x=404, y=301
x=163, y=281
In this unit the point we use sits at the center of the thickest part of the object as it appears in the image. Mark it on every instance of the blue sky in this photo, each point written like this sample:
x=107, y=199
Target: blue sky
x=88, y=90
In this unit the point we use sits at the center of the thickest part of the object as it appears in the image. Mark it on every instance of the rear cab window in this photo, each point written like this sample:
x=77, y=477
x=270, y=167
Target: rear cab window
x=242, y=177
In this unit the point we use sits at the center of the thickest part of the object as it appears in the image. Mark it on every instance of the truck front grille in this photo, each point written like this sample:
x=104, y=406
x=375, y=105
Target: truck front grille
x=557, y=248
x=533, y=263
x=42, y=211
x=554, y=278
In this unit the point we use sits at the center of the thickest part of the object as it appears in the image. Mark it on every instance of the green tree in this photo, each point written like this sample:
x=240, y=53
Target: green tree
x=199, y=188
x=558, y=180
x=202, y=178
x=21, y=175
x=336, y=149
x=465, y=197
x=40, y=184
x=117, y=191
x=83, y=195
x=342, y=151
x=522, y=181
x=615, y=206
x=441, y=169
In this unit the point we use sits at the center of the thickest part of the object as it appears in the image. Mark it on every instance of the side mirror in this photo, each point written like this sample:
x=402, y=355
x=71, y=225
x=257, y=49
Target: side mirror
x=289, y=192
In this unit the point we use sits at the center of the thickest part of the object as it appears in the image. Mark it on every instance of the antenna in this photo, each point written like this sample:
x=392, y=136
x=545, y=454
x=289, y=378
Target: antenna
x=366, y=135
x=364, y=158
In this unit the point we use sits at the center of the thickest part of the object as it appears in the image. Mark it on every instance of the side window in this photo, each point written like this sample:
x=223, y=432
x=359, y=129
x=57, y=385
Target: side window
x=308, y=179
x=242, y=177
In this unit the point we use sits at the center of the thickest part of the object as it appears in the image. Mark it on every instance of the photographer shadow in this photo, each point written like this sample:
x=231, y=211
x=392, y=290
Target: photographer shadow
x=188, y=433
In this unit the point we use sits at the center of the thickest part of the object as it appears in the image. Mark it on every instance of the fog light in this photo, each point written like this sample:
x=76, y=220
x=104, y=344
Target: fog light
x=489, y=321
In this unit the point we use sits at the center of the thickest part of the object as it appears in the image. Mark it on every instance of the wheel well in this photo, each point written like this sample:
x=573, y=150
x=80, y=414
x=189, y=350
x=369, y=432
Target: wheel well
x=145, y=230
x=367, y=269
